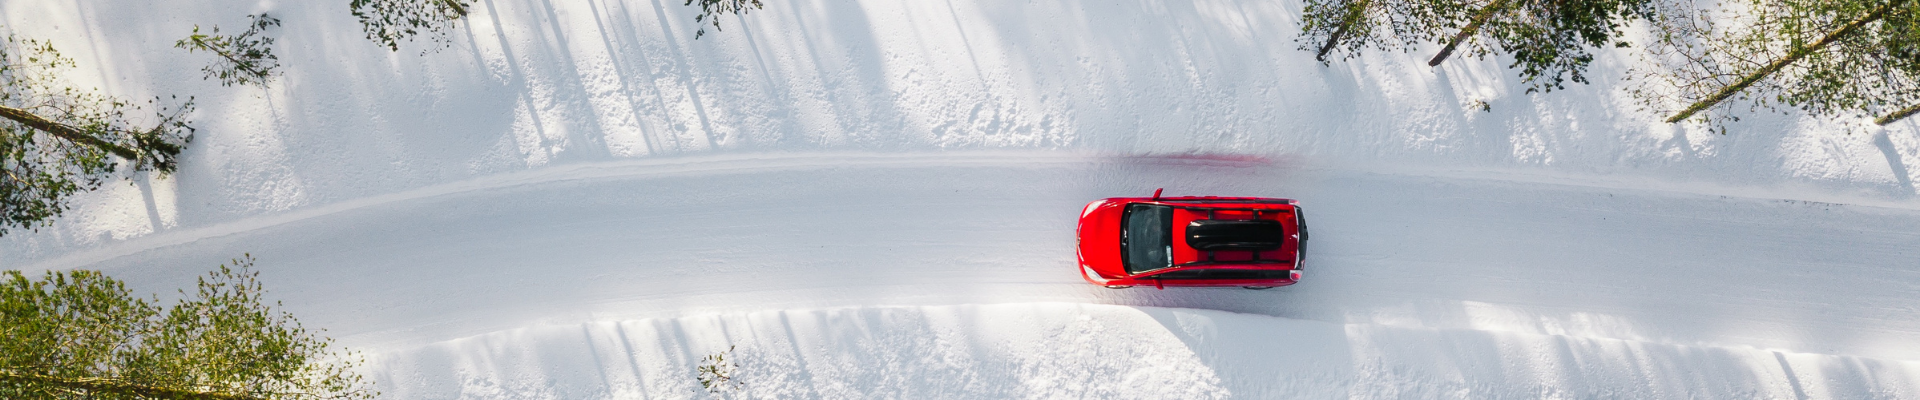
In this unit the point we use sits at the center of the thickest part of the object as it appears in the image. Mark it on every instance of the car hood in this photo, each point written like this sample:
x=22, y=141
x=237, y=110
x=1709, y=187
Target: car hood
x=1100, y=238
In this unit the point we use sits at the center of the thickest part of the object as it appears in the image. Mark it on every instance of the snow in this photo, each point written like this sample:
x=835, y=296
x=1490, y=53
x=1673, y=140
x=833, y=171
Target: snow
x=1059, y=350
x=876, y=199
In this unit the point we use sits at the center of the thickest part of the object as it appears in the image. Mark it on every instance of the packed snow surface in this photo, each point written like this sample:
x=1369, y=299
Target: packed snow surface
x=876, y=199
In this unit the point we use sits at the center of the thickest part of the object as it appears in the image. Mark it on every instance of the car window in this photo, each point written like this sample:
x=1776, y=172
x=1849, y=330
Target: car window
x=1147, y=237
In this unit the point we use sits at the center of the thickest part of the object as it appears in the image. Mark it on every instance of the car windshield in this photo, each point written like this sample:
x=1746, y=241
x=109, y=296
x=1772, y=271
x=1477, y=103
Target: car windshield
x=1146, y=238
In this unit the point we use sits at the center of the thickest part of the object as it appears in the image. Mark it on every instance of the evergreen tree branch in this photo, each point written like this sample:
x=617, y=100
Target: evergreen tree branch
x=1792, y=56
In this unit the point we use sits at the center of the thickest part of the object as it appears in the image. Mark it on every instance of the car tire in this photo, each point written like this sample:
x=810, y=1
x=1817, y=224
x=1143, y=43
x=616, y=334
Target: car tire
x=1118, y=286
x=1256, y=287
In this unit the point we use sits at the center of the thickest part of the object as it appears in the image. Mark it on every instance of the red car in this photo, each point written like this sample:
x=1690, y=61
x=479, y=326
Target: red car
x=1250, y=242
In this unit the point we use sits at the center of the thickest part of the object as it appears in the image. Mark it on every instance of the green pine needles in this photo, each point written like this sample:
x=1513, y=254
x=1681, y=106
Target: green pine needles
x=83, y=335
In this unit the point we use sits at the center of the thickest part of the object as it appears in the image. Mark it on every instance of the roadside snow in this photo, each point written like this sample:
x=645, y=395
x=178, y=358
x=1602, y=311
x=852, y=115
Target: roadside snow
x=1060, y=350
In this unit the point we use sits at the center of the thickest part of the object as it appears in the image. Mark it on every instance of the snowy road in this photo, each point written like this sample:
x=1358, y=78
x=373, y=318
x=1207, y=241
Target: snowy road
x=1395, y=252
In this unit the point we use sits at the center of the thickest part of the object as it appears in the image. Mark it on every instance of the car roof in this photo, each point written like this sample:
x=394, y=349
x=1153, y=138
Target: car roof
x=1227, y=235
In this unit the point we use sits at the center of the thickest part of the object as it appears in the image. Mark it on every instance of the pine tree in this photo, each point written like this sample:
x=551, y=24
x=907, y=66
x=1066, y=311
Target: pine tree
x=83, y=335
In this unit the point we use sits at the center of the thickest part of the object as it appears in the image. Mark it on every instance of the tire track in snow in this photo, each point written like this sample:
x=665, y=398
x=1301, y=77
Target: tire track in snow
x=643, y=168
x=751, y=163
x=1418, y=249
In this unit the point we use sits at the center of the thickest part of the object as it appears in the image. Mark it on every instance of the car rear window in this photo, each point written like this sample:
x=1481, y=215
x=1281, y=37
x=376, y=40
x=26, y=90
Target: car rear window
x=1147, y=237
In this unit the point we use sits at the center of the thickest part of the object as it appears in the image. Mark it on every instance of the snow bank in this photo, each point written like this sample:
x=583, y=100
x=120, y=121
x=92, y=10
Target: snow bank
x=1057, y=350
x=531, y=84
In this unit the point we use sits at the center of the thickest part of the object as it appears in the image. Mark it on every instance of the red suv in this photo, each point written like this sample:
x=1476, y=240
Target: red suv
x=1250, y=242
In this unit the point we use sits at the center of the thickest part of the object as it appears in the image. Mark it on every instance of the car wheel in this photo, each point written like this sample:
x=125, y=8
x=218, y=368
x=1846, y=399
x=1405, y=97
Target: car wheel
x=1119, y=286
x=1257, y=287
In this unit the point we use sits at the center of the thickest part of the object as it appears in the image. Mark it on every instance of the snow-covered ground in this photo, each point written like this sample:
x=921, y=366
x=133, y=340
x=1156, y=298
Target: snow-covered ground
x=876, y=199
